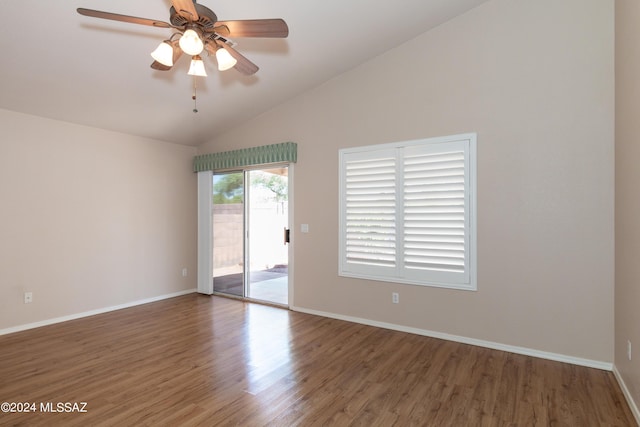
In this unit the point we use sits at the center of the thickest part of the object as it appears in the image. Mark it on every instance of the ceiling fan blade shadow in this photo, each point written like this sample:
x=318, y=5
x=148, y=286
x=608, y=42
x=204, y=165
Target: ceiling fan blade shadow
x=276, y=28
x=186, y=9
x=123, y=18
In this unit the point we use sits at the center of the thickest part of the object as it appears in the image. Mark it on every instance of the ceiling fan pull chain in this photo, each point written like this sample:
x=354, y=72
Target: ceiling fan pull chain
x=195, y=103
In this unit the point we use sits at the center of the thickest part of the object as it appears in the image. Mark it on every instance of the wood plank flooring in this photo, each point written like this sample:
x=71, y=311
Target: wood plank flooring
x=212, y=361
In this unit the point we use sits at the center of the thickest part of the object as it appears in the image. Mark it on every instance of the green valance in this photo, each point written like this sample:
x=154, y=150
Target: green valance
x=274, y=153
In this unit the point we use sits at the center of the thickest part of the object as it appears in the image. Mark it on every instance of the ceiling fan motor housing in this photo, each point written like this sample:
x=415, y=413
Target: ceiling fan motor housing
x=206, y=18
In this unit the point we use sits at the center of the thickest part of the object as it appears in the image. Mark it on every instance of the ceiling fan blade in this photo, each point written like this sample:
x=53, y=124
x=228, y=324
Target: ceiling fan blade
x=123, y=18
x=177, y=52
x=160, y=67
x=243, y=65
x=186, y=9
x=252, y=28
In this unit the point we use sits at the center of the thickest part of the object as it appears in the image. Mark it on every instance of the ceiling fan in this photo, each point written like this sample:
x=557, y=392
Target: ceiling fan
x=197, y=29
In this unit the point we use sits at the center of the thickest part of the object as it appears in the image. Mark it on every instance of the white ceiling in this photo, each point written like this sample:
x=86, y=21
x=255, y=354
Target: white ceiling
x=61, y=65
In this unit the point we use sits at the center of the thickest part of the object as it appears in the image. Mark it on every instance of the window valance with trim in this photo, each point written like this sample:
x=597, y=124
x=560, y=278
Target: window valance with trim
x=265, y=154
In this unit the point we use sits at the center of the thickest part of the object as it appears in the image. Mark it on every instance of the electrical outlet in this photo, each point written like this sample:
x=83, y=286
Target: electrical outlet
x=184, y=272
x=395, y=297
x=629, y=349
x=28, y=297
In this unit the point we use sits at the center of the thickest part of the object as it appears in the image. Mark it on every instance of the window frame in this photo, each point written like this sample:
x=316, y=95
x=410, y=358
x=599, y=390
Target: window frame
x=399, y=273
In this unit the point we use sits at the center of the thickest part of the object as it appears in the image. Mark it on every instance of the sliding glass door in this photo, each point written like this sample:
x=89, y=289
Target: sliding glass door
x=250, y=235
x=267, y=220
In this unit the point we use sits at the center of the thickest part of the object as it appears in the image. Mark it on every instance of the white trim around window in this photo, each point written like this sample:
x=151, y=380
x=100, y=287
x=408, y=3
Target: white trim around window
x=408, y=212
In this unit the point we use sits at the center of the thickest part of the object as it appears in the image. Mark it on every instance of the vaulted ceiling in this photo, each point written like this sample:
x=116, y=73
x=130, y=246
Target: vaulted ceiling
x=61, y=65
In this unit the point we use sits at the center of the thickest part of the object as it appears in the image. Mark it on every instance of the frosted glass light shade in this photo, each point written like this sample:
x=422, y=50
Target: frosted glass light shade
x=190, y=43
x=197, y=67
x=225, y=60
x=164, y=54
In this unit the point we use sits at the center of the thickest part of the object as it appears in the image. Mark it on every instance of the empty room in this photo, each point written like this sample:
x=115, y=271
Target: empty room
x=329, y=213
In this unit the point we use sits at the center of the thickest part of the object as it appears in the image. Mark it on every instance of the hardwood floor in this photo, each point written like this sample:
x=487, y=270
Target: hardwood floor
x=198, y=360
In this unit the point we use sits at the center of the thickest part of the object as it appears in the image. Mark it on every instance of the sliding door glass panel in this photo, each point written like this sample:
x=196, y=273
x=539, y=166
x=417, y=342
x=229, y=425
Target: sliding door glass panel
x=228, y=233
x=267, y=253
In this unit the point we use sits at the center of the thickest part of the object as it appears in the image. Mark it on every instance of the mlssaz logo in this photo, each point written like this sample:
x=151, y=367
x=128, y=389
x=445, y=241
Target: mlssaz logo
x=63, y=406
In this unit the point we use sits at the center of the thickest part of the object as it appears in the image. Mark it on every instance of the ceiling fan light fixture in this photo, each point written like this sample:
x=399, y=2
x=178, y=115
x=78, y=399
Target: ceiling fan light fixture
x=164, y=53
x=225, y=60
x=191, y=43
x=197, y=67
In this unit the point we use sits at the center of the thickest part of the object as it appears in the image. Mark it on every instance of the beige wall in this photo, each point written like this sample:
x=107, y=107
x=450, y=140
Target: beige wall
x=90, y=219
x=535, y=80
x=627, y=303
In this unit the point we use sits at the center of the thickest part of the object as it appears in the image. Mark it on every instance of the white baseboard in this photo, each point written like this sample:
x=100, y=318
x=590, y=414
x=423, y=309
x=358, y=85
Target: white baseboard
x=92, y=312
x=627, y=395
x=465, y=340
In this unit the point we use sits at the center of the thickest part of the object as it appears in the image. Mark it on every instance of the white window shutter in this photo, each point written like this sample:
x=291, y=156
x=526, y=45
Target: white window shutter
x=369, y=214
x=407, y=212
x=436, y=216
